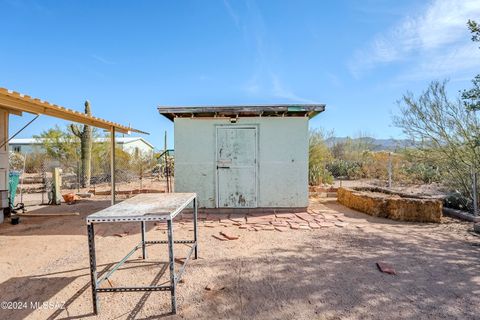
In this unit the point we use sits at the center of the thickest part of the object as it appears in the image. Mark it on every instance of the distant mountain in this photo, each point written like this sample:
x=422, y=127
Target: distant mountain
x=373, y=144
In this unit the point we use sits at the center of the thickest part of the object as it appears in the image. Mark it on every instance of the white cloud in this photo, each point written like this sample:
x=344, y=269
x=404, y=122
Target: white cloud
x=101, y=59
x=280, y=91
x=435, y=41
x=264, y=81
x=232, y=13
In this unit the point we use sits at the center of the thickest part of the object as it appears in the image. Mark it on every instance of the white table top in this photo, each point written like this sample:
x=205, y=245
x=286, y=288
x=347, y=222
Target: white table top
x=144, y=207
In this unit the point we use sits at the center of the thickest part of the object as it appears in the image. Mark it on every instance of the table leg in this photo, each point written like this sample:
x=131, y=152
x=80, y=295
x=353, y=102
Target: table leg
x=195, y=236
x=93, y=266
x=144, y=246
x=172, y=266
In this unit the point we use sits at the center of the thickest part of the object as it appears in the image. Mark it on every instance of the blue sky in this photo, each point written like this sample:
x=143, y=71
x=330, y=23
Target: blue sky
x=357, y=57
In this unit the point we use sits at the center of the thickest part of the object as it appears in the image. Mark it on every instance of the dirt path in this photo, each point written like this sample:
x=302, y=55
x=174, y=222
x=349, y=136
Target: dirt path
x=325, y=273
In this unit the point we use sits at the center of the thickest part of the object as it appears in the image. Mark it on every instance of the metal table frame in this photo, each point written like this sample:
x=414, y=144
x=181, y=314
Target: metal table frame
x=174, y=277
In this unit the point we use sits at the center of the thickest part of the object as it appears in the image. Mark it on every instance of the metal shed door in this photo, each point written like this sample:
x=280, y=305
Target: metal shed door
x=236, y=167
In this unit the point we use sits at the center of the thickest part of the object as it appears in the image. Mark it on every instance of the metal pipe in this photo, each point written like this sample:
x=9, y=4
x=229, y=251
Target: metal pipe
x=144, y=248
x=172, y=266
x=165, y=241
x=195, y=229
x=182, y=268
x=93, y=266
x=112, y=164
x=129, y=289
x=118, y=265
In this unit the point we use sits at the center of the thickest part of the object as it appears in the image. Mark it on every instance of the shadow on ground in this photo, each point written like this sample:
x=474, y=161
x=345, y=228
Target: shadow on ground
x=435, y=279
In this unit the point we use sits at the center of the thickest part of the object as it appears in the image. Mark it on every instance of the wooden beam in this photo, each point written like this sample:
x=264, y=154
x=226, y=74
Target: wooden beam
x=11, y=111
x=15, y=101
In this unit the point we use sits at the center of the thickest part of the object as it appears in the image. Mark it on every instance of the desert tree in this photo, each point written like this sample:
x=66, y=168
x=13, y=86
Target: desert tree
x=445, y=132
x=471, y=97
x=58, y=145
x=319, y=157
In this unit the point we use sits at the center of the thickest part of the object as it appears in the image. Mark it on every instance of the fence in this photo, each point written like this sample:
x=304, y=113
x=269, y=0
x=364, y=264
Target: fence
x=134, y=171
x=395, y=171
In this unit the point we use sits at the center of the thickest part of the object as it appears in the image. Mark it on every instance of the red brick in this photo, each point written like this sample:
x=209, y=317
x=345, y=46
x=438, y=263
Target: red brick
x=304, y=228
x=314, y=225
x=305, y=216
x=285, y=215
x=219, y=238
x=294, y=226
x=325, y=224
x=228, y=235
x=386, y=268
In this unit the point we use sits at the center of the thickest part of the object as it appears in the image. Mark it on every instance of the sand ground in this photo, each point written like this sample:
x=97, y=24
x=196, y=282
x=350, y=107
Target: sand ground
x=324, y=273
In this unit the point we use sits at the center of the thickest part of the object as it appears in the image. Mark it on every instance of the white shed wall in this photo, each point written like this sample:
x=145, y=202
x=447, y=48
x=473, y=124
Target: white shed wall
x=282, y=171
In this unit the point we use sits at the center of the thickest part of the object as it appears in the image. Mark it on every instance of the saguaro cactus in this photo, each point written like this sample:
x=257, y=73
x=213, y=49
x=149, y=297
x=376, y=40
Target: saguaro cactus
x=85, y=136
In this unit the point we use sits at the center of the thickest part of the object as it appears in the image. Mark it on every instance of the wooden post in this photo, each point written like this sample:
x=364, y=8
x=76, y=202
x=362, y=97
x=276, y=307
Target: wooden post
x=474, y=191
x=167, y=173
x=112, y=163
x=390, y=169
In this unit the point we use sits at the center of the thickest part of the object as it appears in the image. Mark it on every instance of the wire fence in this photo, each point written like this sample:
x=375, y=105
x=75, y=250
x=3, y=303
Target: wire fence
x=135, y=171
x=395, y=171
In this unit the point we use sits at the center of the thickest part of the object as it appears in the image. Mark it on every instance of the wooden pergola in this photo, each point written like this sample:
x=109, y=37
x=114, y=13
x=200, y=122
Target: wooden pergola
x=16, y=103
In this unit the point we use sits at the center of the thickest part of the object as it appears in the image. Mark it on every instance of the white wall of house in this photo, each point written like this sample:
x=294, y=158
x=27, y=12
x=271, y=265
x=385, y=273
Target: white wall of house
x=128, y=144
x=282, y=158
x=140, y=144
x=3, y=150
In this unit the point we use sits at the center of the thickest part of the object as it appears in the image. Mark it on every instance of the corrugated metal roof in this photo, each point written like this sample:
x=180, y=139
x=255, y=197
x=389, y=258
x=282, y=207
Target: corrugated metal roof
x=17, y=103
x=282, y=110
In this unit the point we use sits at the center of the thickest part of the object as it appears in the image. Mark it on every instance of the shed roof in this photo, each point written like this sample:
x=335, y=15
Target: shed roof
x=17, y=103
x=278, y=110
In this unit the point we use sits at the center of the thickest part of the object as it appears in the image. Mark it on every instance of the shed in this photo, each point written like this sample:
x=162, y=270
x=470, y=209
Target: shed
x=243, y=156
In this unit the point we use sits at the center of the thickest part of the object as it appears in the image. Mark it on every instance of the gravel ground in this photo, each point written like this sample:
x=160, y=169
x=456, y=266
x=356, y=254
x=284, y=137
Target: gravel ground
x=325, y=273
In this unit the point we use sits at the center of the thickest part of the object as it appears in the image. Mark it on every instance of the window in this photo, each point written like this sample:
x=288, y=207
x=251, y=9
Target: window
x=17, y=149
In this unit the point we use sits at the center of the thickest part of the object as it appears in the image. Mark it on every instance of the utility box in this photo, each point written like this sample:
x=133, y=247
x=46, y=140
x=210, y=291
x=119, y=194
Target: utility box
x=243, y=156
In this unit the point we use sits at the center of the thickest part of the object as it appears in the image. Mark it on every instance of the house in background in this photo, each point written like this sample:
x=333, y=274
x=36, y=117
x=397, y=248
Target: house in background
x=127, y=144
x=243, y=156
